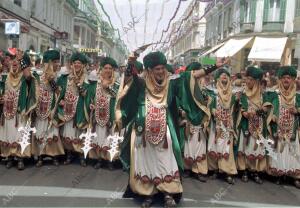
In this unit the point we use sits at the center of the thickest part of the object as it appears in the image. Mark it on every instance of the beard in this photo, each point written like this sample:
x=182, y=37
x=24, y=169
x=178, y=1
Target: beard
x=224, y=82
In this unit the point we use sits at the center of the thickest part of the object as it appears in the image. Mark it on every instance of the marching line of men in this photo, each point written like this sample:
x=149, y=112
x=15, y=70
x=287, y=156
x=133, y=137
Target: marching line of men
x=170, y=123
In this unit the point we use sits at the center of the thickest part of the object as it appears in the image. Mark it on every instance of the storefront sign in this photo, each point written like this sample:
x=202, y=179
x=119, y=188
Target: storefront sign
x=90, y=50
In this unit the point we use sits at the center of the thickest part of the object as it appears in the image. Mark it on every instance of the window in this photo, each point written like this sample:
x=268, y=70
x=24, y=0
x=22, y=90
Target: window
x=247, y=12
x=274, y=11
x=297, y=8
x=18, y=2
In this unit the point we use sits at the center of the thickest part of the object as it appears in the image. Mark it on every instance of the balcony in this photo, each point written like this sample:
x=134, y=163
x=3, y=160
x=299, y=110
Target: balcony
x=273, y=26
x=247, y=27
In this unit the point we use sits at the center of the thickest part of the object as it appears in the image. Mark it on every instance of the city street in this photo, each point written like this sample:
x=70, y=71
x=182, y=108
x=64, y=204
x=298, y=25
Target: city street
x=74, y=186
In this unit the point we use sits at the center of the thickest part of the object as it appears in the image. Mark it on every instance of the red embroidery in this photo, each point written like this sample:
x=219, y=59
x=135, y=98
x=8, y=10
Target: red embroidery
x=102, y=107
x=70, y=104
x=11, y=98
x=43, y=109
x=156, y=124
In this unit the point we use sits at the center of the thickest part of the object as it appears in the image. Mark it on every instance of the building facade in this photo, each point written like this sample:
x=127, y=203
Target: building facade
x=187, y=35
x=44, y=24
x=250, y=22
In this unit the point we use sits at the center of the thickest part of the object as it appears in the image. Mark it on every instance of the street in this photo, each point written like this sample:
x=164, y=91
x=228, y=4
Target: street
x=75, y=186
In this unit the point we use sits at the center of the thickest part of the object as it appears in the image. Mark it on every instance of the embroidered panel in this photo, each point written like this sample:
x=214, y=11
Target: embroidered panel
x=11, y=98
x=223, y=115
x=71, y=100
x=102, y=113
x=156, y=124
x=43, y=109
x=285, y=123
x=255, y=123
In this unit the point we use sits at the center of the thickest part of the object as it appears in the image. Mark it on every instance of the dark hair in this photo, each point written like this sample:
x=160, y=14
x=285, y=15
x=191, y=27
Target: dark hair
x=264, y=82
x=38, y=61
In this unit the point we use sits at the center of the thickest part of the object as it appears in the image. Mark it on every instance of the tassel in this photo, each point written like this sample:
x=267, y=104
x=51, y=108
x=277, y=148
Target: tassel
x=17, y=122
x=165, y=146
x=199, y=136
x=144, y=140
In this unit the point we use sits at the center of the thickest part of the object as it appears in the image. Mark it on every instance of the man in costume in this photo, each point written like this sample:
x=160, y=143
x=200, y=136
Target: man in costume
x=222, y=133
x=72, y=110
x=285, y=127
x=251, y=154
x=151, y=148
x=196, y=113
x=47, y=139
x=19, y=100
x=102, y=98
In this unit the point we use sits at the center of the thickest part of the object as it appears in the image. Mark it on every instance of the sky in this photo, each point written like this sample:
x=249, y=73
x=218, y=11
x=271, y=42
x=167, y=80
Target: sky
x=150, y=17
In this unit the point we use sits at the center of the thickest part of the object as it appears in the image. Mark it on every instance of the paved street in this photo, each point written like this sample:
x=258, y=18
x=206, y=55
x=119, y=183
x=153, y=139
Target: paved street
x=72, y=186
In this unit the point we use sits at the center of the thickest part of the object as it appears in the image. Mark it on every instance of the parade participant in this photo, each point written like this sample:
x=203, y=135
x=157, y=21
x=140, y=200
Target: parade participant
x=71, y=107
x=252, y=122
x=139, y=67
x=8, y=55
x=47, y=138
x=151, y=148
x=195, y=109
x=284, y=125
x=102, y=98
x=222, y=133
x=20, y=98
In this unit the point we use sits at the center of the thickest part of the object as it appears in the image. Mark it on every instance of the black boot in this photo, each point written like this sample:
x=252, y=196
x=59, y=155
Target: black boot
x=186, y=173
x=110, y=166
x=257, y=178
x=68, y=159
x=39, y=162
x=9, y=163
x=83, y=162
x=169, y=201
x=55, y=161
x=98, y=164
x=278, y=180
x=297, y=183
x=21, y=165
x=245, y=177
x=229, y=179
x=147, y=202
x=202, y=177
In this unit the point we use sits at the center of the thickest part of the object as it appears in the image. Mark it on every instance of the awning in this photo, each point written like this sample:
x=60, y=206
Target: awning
x=232, y=47
x=267, y=49
x=213, y=49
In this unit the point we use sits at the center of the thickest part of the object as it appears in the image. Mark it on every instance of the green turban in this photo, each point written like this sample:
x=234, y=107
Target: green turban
x=169, y=68
x=77, y=56
x=139, y=66
x=110, y=61
x=193, y=66
x=154, y=59
x=221, y=71
x=51, y=55
x=287, y=70
x=254, y=72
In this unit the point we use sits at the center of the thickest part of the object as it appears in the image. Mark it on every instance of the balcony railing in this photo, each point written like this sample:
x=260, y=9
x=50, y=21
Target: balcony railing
x=273, y=26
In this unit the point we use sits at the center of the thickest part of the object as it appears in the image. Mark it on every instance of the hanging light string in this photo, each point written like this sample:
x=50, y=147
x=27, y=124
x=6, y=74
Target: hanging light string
x=100, y=21
x=181, y=23
x=169, y=24
x=133, y=26
x=146, y=20
x=120, y=18
x=159, y=19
